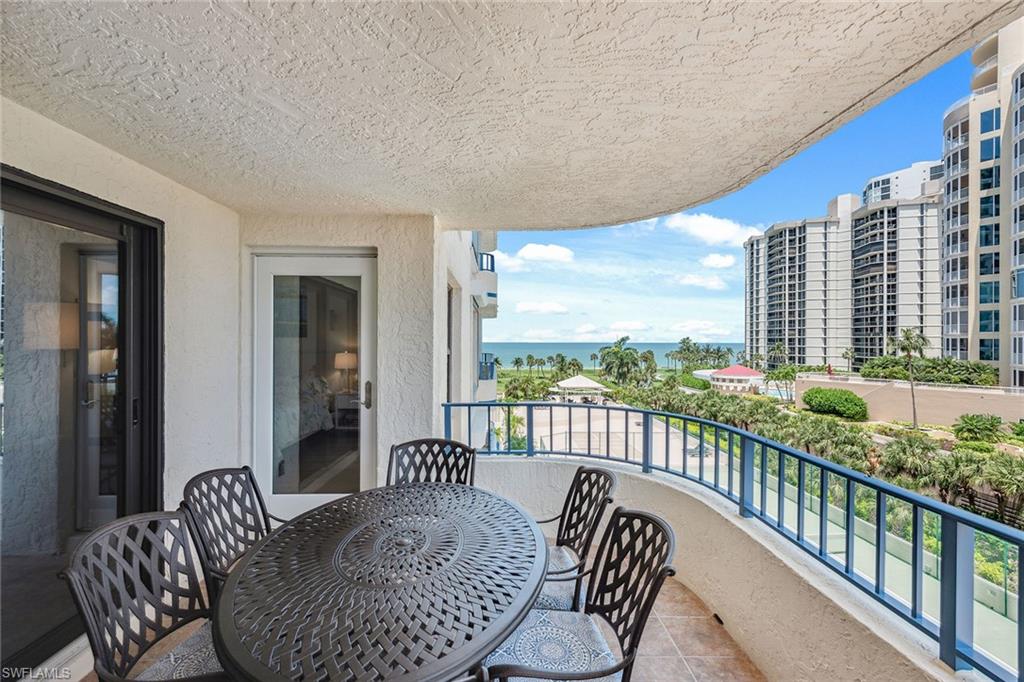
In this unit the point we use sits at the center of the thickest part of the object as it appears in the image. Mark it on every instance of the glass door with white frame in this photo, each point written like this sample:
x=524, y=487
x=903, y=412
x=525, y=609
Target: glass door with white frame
x=314, y=384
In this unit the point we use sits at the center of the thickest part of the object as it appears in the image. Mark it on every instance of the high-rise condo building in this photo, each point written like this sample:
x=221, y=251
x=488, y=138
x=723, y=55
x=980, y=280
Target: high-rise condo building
x=895, y=259
x=852, y=278
x=797, y=293
x=981, y=233
x=1017, y=231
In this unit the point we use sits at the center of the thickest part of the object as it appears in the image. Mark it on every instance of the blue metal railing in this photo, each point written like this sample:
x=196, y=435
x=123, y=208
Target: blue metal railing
x=487, y=262
x=783, y=488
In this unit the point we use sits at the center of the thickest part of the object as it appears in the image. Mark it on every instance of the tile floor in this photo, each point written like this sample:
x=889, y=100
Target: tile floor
x=684, y=643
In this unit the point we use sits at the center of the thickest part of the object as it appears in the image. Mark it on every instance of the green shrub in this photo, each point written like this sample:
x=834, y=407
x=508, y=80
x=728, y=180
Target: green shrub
x=690, y=381
x=978, y=427
x=837, y=401
x=1018, y=429
x=975, y=446
x=931, y=370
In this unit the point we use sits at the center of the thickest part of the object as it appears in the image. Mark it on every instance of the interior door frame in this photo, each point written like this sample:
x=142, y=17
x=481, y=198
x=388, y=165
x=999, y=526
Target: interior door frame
x=88, y=501
x=265, y=265
x=140, y=240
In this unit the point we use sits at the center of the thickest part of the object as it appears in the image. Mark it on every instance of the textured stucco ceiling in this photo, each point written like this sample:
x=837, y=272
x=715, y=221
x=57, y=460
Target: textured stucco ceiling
x=486, y=115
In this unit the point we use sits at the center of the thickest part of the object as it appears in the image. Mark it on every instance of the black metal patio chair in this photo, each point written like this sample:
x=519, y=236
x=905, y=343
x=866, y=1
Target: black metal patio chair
x=632, y=564
x=227, y=516
x=431, y=460
x=589, y=495
x=134, y=582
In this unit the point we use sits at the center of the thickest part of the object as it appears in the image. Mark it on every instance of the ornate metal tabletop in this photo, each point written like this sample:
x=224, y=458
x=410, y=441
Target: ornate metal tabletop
x=412, y=582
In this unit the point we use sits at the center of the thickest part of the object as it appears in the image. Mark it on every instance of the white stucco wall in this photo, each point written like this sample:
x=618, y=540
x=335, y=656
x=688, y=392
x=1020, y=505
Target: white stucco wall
x=411, y=313
x=456, y=265
x=201, y=283
x=795, y=619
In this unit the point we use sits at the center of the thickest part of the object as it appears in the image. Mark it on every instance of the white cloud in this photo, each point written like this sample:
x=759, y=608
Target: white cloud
x=701, y=330
x=540, y=334
x=629, y=326
x=507, y=263
x=711, y=229
x=704, y=281
x=586, y=328
x=545, y=253
x=718, y=260
x=541, y=308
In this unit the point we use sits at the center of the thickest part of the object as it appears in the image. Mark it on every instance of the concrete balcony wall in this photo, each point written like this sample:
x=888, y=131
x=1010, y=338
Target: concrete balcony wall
x=795, y=619
x=486, y=390
x=485, y=283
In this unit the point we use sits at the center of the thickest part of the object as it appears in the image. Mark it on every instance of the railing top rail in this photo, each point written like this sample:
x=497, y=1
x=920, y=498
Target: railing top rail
x=971, y=519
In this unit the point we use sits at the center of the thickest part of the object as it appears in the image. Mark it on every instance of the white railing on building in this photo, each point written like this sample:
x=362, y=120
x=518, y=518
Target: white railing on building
x=952, y=144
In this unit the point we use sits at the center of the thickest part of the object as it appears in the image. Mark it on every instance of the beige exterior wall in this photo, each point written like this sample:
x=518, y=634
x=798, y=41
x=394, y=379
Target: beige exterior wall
x=890, y=400
x=794, y=618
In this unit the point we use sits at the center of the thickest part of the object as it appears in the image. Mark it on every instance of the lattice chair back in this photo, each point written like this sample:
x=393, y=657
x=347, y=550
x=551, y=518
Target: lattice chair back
x=227, y=516
x=589, y=494
x=632, y=563
x=134, y=582
x=431, y=460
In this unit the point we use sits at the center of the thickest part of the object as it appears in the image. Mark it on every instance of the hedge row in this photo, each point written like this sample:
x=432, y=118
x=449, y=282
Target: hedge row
x=837, y=401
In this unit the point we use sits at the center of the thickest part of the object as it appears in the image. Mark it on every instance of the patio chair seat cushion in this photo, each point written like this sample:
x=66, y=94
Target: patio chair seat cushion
x=559, y=557
x=194, y=657
x=557, y=641
x=557, y=595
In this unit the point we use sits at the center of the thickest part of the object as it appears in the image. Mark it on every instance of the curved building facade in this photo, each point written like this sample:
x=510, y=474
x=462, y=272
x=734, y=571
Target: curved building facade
x=981, y=211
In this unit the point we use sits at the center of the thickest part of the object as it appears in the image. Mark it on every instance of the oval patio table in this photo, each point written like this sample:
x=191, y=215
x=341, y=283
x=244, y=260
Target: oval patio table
x=411, y=582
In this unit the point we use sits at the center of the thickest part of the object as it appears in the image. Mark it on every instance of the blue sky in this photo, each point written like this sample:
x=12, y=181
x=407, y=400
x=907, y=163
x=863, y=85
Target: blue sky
x=681, y=275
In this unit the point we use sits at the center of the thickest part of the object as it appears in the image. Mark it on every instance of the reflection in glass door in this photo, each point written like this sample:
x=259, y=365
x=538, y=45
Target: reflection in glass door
x=80, y=394
x=97, y=442
x=314, y=384
x=61, y=441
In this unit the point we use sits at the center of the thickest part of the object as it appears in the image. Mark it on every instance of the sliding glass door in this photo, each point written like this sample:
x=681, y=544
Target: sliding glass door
x=73, y=319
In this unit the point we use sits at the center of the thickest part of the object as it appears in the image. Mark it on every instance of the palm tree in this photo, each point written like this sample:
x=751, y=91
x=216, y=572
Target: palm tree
x=517, y=362
x=574, y=367
x=849, y=354
x=778, y=354
x=1004, y=473
x=541, y=362
x=908, y=343
x=742, y=358
x=688, y=351
x=594, y=357
x=531, y=362
x=497, y=362
x=908, y=460
x=620, y=362
x=957, y=474
x=978, y=427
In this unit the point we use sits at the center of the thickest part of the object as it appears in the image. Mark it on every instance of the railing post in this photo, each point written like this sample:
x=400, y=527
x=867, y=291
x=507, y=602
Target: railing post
x=746, y=476
x=447, y=421
x=529, y=431
x=956, y=591
x=647, y=443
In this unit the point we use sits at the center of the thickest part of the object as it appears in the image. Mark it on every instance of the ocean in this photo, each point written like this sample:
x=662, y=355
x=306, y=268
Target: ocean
x=581, y=351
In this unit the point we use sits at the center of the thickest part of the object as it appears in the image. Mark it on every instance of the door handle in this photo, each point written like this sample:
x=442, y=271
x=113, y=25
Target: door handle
x=87, y=403
x=367, y=402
